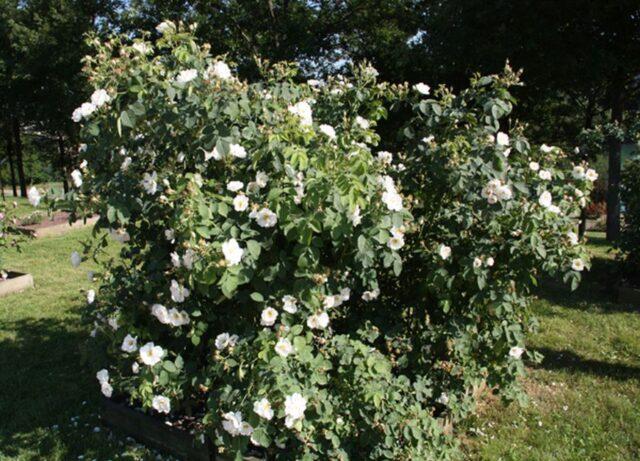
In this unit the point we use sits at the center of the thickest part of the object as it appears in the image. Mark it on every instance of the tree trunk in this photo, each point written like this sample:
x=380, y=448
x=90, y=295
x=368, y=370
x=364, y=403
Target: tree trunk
x=613, y=186
x=588, y=124
x=19, y=163
x=9, y=139
x=63, y=163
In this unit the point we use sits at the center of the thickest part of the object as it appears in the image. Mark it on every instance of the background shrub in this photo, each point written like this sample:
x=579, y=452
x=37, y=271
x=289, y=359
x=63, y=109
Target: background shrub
x=630, y=236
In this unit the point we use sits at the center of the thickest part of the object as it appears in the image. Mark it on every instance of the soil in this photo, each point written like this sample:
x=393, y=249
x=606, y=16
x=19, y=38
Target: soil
x=48, y=221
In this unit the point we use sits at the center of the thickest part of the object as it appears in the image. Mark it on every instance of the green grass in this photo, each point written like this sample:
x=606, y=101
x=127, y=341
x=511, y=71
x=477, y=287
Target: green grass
x=585, y=396
x=19, y=206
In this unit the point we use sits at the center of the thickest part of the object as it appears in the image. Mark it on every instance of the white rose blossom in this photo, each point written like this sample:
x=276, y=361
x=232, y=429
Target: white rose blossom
x=577, y=264
x=150, y=354
x=294, y=407
x=263, y=409
x=232, y=252
x=289, y=304
x=99, y=98
x=161, y=404
x=516, y=352
x=328, y=131
x=422, y=88
x=225, y=340
x=150, y=182
x=444, y=251
x=318, y=321
x=129, y=344
x=240, y=202
x=266, y=218
x=161, y=313
x=165, y=27
x=178, y=292
x=268, y=317
x=283, y=347
x=219, y=70
x=545, y=199
x=302, y=110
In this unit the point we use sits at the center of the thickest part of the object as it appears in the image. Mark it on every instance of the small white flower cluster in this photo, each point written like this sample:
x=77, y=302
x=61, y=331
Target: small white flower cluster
x=495, y=190
x=186, y=76
x=234, y=425
x=396, y=241
x=235, y=150
x=161, y=404
x=232, y=252
x=219, y=70
x=303, y=111
x=150, y=182
x=328, y=131
x=226, y=340
x=545, y=200
x=264, y=217
x=390, y=197
x=172, y=316
x=103, y=378
x=479, y=260
x=98, y=99
x=150, y=354
x=580, y=173
x=178, y=292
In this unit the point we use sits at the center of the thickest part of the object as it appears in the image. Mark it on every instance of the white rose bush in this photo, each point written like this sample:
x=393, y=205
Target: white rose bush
x=298, y=287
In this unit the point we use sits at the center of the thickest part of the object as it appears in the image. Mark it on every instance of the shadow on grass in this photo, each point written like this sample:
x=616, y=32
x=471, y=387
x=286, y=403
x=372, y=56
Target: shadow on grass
x=42, y=384
x=567, y=360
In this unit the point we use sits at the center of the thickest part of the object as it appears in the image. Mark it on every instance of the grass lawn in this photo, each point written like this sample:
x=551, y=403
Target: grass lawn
x=22, y=207
x=585, y=396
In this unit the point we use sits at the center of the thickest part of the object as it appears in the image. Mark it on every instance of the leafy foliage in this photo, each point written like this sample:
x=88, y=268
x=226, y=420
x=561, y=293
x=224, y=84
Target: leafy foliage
x=630, y=238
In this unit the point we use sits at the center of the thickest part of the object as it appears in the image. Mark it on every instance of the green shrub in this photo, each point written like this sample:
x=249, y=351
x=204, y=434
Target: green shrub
x=289, y=282
x=630, y=236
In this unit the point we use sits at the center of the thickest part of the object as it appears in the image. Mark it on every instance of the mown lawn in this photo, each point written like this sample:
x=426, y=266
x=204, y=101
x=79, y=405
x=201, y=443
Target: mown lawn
x=585, y=396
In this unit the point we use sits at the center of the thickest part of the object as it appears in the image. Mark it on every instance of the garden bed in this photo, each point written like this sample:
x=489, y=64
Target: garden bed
x=628, y=294
x=58, y=224
x=15, y=283
x=156, y=433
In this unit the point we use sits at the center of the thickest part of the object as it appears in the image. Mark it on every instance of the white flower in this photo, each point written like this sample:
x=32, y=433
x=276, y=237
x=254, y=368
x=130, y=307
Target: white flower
x=443, y=399
x=573, y=238
x=545, y=175
x=102, y=376
x=175, y=259
x=99, y=98
x=236, y=150
x=150, y=182
x=578, y=172
x=355, y=217
x=345, y=294
x=261, y=179
x=125, y=164
x=554, y=209
x=489, y=261
x=422, y=88
x=328, y=130
x=169, y=234
x=545, y=199
x=76, y=259
x=534, y=166
x=185, y=76
x=371, y=71
x=91, y=296
x=178, y=292
x=283, y=347
x=220, y=70
x=161, y=404
x=150, y=354
x=135, y=368
x=263, y=409
x=165, y=27
x=113, y=322
x=362, y=122
x=318, y=321
x=331, y=301
x=188, y=258
x=33, y=196
x=294, y=408
x=546, y=149
x=268, y=317
x=129, y=344
x=516, y=352
x=313, y=82
x=232, y=423
x=224, y=340
x=84, y=111
x=266, y=218
x=289, y=304
x=234, y=186
x=502, y=139
x=428, y=139
x=232, y=252
x=370, y=295
x=477, y=262
x=385, y=157
x=178, y=318
x=142, y=48
x=392, y=200
x=106, y=389
x=240, y=202
x=119, y=235
x=302, y=110
x=161, y=313
x=504, y=192
x=395, y=242
x=591, y=175
x=444, y=251
x=212, y=154
x=577, y=264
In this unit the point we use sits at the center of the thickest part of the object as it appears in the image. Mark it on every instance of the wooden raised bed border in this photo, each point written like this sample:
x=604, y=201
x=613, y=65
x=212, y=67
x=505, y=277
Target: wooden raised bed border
x=15, y=283
x=156, y=434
